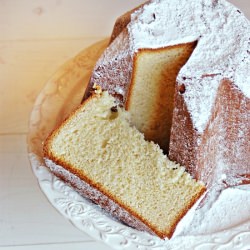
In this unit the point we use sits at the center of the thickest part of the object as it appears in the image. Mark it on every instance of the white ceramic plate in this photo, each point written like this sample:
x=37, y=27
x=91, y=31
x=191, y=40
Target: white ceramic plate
x=61, y=94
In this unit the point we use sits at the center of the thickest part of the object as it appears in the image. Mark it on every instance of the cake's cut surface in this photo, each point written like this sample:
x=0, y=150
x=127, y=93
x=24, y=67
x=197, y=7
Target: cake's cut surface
x=152, y=90
x=98, y=146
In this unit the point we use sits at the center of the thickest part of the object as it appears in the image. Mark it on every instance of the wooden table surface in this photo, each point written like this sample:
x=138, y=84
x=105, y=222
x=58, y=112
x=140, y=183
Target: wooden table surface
x=36, y=38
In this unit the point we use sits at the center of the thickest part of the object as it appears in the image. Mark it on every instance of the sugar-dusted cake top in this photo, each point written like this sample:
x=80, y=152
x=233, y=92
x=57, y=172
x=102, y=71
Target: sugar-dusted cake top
x=222, y=52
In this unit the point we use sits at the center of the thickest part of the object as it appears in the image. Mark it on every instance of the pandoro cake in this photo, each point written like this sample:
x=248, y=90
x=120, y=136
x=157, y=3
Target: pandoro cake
x=173, y=79
x=181, y=68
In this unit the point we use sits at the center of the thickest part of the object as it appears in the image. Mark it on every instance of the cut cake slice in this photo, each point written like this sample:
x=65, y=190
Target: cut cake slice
x=104, y=158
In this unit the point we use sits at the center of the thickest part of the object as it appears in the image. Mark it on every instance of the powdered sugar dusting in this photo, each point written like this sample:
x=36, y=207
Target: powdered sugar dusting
x=219, y=214
x=222, y=50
